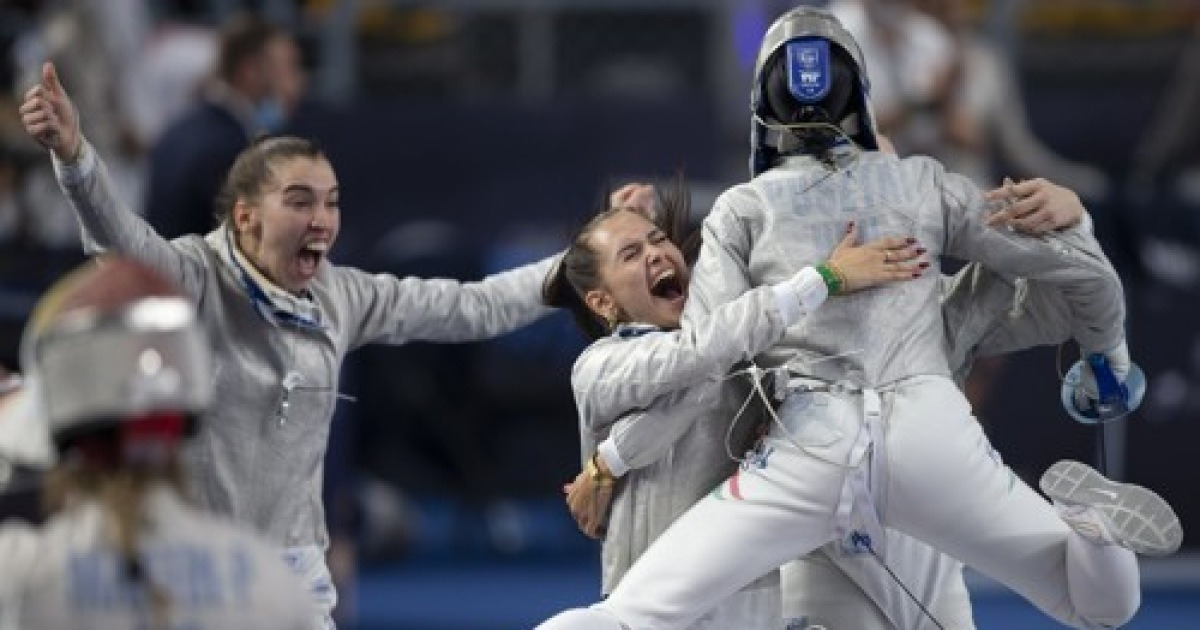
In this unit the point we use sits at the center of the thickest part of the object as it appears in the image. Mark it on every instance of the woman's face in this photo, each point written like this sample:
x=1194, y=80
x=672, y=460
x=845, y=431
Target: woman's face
x=289, y=229
x=642, y=274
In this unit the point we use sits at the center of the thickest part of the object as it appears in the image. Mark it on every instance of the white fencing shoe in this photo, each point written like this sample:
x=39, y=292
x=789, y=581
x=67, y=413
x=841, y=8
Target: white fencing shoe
x=1108, y=511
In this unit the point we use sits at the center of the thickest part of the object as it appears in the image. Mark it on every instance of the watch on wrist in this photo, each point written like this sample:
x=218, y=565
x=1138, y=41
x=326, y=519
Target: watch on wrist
x=598, y=475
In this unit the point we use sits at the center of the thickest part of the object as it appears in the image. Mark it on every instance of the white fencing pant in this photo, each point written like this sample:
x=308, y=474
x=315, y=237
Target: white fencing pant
x=835, y=589
x=755, y=607
x=943, y=486
x=308, y=562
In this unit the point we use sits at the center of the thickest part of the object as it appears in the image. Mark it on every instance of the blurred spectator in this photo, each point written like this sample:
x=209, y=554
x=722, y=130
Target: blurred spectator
x=985, y=114
x=88, y=42
x=258, y=82
x=912, y=64
x=164, y=80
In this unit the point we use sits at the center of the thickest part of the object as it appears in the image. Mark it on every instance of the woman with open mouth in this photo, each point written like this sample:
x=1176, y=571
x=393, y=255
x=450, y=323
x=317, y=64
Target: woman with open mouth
x=645, y=464
x=280, y=315
x=626, y=282
x=872, y=431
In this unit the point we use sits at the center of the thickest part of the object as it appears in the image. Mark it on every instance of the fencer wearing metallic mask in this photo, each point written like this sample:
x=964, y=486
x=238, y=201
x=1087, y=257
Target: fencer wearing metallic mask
x=119, y=377
x=872, y=431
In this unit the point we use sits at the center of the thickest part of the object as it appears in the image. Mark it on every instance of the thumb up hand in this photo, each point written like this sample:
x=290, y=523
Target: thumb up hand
x=50, y=118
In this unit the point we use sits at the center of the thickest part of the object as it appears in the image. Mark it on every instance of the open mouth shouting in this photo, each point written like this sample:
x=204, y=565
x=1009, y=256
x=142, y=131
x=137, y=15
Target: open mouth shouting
x=668, y=285
x=308, y=260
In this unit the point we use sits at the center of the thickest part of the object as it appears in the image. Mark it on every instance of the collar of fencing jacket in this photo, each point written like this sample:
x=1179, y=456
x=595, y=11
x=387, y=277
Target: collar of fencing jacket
x=270, y=301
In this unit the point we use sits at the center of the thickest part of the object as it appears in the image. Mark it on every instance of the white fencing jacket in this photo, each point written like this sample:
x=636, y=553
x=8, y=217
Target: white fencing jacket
x=257, y=459
x=215, y=575
x=656, y=404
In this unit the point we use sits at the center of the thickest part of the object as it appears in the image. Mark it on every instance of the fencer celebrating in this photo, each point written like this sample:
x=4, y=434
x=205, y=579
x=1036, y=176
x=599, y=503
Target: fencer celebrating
x=624, y=278
x=281, y=316
x=872, y=430
x=651, y=464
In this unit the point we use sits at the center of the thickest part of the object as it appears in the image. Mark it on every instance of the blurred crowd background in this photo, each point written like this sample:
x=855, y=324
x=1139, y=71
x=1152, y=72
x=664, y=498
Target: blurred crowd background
x=470, y=136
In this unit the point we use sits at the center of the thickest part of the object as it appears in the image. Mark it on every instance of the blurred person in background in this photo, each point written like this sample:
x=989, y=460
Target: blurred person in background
x=119, y=376
x=941, y=88
x=985, y=115
x=281, y=315
x=91, y=42
x=256, y=84
x=914, y=65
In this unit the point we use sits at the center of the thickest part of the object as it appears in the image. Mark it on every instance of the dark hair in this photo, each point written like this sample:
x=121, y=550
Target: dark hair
x=243, y=38
x=252, y=169
x=577, y=273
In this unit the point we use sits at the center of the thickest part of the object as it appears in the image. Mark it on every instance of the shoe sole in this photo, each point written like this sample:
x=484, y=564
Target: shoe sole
x=1141, y=520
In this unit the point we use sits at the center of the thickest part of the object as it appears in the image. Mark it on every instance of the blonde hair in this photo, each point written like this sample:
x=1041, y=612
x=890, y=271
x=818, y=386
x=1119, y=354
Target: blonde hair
x=121, y=493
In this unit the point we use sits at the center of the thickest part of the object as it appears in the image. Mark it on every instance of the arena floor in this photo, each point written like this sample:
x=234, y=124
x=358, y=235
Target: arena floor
x=427, y=595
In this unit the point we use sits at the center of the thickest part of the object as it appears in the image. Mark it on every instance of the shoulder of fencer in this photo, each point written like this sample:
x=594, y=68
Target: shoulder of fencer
x=588, y=363
x=616, y=352
x=917, y=164
x=607, y=351
x=737, y=198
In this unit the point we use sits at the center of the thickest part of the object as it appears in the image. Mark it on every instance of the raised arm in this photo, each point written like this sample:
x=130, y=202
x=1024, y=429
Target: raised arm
x=398, y=310
x=108, y=225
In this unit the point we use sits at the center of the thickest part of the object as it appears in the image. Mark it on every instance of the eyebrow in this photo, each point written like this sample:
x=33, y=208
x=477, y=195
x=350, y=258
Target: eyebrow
x=290, y=188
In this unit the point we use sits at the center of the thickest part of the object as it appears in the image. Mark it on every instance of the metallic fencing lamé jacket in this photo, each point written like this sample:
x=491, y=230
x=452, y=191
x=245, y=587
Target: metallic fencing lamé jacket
x=260, y=455
x=668, y=409
x=794, y=214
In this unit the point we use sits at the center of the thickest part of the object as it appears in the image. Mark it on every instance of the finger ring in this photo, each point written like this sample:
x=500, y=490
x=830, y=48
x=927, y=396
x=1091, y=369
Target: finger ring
x=887, y=256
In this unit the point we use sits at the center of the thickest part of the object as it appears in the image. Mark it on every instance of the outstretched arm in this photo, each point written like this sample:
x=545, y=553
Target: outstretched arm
x=398, y=310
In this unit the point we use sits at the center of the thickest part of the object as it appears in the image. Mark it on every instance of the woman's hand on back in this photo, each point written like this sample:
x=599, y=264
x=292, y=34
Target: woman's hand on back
x=883, y=260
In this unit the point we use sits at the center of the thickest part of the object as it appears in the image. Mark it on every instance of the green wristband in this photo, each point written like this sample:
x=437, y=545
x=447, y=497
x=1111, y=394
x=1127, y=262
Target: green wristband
x=832, y=282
